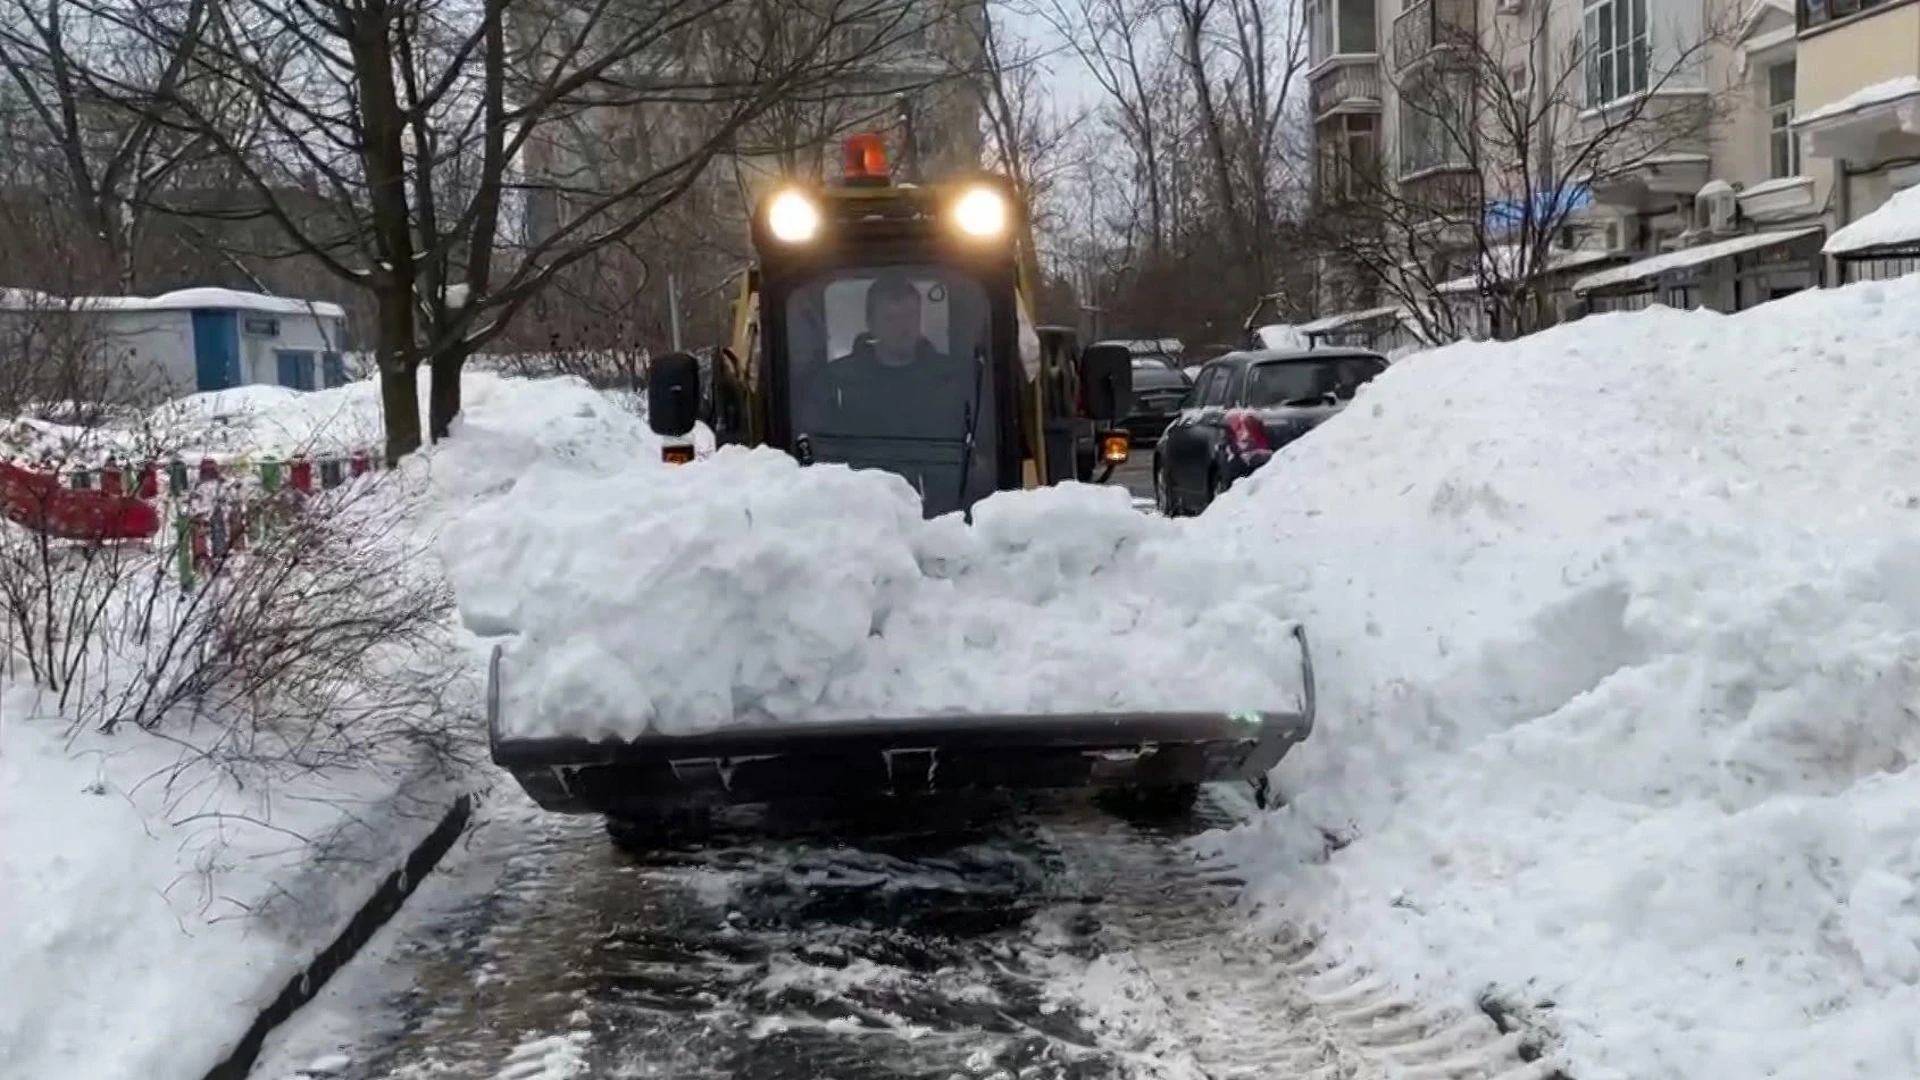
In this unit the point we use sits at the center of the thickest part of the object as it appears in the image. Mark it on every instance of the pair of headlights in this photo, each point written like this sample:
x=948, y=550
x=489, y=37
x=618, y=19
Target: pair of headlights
x=793, y=218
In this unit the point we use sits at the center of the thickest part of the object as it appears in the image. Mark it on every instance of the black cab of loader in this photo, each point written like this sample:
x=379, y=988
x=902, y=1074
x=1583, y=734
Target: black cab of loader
x=890, y=326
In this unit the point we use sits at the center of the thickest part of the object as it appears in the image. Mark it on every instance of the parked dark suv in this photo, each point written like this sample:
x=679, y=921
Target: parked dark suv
x=1158, y=388
x=1243, y=407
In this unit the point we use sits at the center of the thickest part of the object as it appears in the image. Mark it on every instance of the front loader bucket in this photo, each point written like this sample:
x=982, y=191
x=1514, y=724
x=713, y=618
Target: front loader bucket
x=825, y=761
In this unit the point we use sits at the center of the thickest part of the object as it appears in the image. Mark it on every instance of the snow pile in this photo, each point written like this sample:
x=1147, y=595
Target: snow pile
x=749, y=589
x=153, y=906
x=1897, y=222
x=1619, y=636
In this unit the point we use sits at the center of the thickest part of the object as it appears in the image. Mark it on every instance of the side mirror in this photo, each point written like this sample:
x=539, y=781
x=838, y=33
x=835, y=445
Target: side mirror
x=1107, y=371
x=673, y=394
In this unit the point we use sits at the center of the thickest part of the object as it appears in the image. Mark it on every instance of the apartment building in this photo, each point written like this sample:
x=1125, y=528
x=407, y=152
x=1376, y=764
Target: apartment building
x=1858, y=91
x=1658, y=134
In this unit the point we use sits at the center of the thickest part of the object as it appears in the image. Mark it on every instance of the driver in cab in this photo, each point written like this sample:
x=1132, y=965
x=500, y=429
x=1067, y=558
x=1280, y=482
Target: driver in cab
x=894, y=381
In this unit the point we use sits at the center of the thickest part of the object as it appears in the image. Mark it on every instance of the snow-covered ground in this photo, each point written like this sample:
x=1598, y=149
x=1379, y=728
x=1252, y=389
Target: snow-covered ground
x=153, y=905
x=161, y=887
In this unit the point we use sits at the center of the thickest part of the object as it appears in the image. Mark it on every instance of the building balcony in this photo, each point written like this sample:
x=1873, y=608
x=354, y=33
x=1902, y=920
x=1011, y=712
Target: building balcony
x=1431, y=25
x=1345, y=84
x=1437, y=189
x=1650, y=149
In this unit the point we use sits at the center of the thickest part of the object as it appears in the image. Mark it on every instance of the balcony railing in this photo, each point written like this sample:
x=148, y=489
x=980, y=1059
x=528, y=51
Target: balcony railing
x=1349, y=83
x=1430, y=25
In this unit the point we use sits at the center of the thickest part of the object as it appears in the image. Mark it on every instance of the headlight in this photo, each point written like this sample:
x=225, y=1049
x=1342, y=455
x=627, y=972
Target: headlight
x=981, y=212
x=792, y=217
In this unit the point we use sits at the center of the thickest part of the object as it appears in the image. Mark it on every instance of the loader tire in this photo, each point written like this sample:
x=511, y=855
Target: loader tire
x=641, y=834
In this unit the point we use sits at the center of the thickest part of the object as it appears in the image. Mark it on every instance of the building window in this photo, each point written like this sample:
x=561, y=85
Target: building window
x=1783, y=149
x=333, y=369
x=1821, y=12
x=295, y=369
x=1349, y=156
x=1357, y=26
x=1339, y=28
x=1615, y=37
x=1436, y=123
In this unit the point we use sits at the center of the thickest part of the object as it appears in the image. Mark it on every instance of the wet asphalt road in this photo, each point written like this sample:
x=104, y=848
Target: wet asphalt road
x=928, y=948
x=1137, y=474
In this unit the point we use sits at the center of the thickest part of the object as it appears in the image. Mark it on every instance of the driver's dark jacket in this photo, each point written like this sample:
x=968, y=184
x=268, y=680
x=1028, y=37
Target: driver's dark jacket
x=856, y=394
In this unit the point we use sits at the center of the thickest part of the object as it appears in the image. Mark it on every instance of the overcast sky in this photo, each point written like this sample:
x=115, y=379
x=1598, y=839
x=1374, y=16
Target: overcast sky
x=1066, y=75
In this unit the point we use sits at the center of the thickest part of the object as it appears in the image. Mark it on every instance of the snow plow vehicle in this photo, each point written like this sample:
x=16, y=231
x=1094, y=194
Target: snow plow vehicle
x=888, y=326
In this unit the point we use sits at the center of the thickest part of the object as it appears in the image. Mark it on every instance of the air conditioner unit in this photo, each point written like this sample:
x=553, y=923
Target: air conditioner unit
x=1717, y=208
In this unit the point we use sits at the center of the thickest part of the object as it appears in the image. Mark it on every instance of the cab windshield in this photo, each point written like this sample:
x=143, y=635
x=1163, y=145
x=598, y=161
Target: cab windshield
x=889, y=369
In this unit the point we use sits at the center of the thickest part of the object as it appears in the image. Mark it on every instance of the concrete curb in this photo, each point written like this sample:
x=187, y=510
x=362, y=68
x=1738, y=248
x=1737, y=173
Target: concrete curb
x=373, y=914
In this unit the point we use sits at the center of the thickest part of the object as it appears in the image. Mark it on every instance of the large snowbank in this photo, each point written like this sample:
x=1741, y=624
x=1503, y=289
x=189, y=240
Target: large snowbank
x=749, y=589
x=153, y=905
x=1620, y=661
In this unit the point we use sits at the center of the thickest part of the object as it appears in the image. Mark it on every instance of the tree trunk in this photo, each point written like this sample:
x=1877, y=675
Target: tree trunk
x=400, y=404
x=443, y=394
x=399, y=375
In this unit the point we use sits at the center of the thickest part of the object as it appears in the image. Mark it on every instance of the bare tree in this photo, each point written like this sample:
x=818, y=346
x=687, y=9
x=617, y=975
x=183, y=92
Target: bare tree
x=436, y=136
x=103, y=166
x=1028, y=136
x=1500, y=127
x=1121, y=43
x=1246, y=59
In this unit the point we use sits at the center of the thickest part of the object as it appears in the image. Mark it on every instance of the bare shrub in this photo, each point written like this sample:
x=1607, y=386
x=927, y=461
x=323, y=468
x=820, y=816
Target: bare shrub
x=266, y=632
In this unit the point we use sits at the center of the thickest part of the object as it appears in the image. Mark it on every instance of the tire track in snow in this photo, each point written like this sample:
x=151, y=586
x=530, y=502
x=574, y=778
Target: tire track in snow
x=1182, y=983
x=1057, y=943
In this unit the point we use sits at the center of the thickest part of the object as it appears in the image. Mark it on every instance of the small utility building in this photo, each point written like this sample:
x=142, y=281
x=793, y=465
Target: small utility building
x=195, y=340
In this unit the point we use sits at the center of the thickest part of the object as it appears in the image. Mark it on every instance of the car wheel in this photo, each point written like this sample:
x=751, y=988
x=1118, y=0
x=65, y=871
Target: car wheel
x=1163, y=495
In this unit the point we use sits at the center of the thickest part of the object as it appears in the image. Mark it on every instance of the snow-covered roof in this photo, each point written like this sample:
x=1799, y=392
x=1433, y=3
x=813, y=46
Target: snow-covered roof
x=1502, y=261
x=1898, y=222
x=1686, y=257
x=201, y=299
x=1279, y=336
x=1880, y=93
x=1146, y=346
x=1346, y=318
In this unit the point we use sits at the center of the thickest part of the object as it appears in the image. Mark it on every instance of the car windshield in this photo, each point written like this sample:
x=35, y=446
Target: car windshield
x=1305, y=381
x=887, y=366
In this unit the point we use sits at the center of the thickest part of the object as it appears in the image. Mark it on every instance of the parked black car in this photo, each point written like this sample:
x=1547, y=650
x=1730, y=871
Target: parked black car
x=1159, y=386
x=1243, y=407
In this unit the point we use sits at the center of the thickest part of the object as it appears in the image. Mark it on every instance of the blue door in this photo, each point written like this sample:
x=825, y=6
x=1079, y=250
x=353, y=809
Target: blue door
x=216, y=350
x=333, y=369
